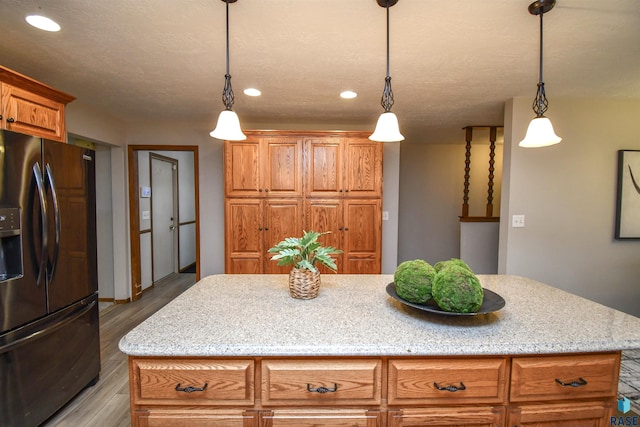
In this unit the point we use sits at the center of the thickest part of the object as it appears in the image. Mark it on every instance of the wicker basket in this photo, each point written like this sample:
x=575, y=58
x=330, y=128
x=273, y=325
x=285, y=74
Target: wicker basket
x=303, y=283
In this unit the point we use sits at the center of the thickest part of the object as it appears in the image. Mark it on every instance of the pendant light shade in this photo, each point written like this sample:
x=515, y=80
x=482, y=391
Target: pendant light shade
x=540, y=132
x=387, y=129
x=228, y=126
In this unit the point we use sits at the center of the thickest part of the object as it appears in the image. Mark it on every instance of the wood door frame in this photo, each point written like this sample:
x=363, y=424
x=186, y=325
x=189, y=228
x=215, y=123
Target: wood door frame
x=134, y=208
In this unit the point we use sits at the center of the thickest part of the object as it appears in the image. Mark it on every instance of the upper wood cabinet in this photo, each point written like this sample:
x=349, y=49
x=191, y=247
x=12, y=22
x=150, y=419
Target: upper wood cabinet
x=31, y=107
x=263, y=166
x=343, y=167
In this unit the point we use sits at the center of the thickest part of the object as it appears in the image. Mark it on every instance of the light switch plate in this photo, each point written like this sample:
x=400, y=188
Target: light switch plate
x=517, y=221
x=385, y=215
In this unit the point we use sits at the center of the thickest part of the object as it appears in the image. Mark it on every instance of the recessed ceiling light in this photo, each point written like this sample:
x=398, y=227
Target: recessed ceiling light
x=348, y=94
x=252, y=92
x=43, y=23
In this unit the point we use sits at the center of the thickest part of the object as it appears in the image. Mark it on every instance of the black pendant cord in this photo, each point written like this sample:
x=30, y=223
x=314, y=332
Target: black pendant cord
x=387, y=93
x=228, y=98
x=388, y=26
x=540, y=103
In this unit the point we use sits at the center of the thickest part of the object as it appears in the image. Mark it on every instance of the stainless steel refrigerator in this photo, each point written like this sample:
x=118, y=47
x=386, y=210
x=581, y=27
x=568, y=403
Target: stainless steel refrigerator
x=49, y=336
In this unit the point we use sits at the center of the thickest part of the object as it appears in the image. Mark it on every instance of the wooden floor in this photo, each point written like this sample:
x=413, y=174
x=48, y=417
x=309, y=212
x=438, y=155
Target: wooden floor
x=107, y=403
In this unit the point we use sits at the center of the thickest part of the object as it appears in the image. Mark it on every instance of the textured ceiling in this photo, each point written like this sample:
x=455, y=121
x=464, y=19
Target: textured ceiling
x=453, y=63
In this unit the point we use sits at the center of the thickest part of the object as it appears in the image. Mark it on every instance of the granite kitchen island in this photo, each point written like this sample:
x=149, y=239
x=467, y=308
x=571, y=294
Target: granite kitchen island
x=237, y=350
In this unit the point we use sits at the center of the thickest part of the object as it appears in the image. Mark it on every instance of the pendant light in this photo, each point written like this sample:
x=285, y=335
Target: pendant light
x=228, y=126
x=540, y=132
x=387, y=129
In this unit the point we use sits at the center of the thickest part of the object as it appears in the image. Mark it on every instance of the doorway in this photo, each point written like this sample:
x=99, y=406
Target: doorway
x=166, y=226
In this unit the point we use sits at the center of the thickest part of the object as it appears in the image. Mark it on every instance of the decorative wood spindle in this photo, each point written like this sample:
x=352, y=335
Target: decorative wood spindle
x=467, y=169
x=492, y=155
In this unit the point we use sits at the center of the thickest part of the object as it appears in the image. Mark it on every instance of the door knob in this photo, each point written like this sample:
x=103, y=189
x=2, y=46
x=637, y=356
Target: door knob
x=172, y=227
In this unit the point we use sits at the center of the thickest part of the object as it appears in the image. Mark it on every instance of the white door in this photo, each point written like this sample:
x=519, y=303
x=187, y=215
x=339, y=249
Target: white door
x=163, y=216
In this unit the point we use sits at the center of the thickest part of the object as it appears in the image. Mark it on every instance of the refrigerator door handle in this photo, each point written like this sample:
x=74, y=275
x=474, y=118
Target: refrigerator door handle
x=37, y=173
x=56, y=216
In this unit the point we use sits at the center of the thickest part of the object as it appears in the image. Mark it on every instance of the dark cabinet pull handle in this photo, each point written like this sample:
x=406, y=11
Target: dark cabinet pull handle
x=260, y=190
x=347, y=190
x=346, y=229
x=266, y=189
x=191, y=389
x=340, y=228
x=259, y=228
x=341, y=190
x=10, y=120
x=322, y=390
x=451, y=388
x=266, y=229
x=579, y=383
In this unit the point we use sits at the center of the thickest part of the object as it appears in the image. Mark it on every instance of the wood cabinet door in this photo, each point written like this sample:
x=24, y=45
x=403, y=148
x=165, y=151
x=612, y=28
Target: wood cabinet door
x=282, y=167
x=590, y=414
x=323, y=215
x=321, y=418
x=243, y=172
x=455, y=416
x=190, y=417
x=32, y=114
x=244, y=225
x=363, y=168
x=324, y=167
x=362, y=236
x=283, y=218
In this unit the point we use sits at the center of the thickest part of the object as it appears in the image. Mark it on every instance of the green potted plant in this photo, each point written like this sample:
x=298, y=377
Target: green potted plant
x=304, y=253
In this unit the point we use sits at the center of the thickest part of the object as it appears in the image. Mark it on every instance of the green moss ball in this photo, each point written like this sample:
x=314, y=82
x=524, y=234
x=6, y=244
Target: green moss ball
x=453, y=261
x=413, y=280
x=457, y=290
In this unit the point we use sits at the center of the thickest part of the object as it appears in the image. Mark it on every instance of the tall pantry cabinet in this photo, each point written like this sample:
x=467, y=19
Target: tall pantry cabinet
x=279, y=183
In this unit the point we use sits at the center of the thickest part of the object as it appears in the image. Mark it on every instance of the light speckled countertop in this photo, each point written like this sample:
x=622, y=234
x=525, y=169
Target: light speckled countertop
x=253, y=315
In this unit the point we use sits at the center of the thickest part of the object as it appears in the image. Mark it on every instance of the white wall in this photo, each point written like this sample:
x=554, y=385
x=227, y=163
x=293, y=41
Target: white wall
x=431, y=185
x=390, y=204
x=104, y=223
x=93, y=125
x=567, y=193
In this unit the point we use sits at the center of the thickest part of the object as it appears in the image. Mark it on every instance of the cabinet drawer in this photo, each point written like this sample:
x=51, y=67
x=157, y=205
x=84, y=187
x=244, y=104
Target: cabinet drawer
x=321, y=382
x=564, y=377
x=198, y=382
x=454, y=381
